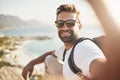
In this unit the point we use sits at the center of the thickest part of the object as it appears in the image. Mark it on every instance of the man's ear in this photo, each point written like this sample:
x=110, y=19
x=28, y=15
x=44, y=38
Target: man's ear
x=80, y=25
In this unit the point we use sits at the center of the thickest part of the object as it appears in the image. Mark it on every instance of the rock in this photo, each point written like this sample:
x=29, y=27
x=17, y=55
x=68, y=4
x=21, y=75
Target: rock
x=10, y=73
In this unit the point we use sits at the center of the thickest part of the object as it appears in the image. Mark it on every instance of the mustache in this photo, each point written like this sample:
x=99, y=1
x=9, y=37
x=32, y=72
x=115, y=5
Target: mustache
x=65, y=31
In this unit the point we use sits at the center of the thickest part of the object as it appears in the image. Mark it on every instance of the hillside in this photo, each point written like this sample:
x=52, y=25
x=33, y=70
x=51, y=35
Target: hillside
x=15, y=21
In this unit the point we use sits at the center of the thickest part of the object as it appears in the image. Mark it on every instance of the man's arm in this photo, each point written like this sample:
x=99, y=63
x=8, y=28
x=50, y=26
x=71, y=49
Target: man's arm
x=106, y=19
x=97, y=67
x=41, y=58
x=28, y=69
x=111, y=43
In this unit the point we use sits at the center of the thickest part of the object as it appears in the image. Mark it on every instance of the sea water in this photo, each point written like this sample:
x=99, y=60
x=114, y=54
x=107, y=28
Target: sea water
x=38, y=47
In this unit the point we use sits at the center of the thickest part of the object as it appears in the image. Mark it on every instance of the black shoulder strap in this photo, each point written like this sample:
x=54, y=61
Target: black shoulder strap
x=71, y=62
x=64, y=54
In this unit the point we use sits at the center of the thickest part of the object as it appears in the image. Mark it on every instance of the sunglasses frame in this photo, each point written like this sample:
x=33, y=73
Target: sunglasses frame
x=62, y=22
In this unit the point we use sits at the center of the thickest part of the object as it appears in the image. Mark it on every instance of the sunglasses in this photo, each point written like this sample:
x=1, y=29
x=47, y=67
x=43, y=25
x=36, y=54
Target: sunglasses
x=69, y=23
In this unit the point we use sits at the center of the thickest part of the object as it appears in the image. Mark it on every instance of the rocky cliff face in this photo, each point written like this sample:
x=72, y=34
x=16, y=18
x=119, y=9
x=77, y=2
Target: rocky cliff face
x=10, y=73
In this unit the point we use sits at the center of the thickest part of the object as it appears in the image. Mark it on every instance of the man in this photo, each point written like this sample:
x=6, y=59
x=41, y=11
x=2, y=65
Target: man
x=87, y=56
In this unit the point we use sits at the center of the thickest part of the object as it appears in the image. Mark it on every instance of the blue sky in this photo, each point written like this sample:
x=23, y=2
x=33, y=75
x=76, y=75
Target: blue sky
x=44, y=10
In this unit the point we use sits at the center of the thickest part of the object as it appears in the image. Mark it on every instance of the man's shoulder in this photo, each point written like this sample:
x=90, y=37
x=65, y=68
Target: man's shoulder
x=61, y=48
x=59, y=51
x=87, y=47
x=86, y=44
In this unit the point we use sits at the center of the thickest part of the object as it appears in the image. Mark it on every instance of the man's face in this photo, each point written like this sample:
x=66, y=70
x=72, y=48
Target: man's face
x=68, y=33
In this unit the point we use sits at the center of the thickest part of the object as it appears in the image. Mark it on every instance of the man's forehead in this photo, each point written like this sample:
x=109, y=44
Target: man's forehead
x=64, y=15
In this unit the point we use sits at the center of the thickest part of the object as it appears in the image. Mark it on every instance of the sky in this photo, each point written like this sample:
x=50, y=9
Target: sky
x=45, y=10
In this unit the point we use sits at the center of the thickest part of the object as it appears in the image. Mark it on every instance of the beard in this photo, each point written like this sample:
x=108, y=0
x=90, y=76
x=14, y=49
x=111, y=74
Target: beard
x=72, y=36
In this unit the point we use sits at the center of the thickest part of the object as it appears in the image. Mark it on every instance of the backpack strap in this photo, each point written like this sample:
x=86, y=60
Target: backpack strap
x=71, y=62
x=64, y=54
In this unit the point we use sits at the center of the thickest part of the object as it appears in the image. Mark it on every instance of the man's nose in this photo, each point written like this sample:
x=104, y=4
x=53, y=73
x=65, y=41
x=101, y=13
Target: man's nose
x=65, y=26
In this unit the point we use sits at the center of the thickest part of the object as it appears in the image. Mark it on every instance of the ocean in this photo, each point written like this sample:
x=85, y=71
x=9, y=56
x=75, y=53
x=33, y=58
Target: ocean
x=40, y=46
x=35, y=48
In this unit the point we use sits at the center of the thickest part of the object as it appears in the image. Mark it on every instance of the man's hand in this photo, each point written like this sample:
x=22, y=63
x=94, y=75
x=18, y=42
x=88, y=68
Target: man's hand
x=27, y=70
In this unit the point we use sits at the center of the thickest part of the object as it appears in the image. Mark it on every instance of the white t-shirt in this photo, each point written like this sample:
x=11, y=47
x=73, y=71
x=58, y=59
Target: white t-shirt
x=84, y=53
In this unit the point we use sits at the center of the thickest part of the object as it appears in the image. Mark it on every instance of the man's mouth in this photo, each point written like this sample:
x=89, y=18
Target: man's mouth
x=65, y=33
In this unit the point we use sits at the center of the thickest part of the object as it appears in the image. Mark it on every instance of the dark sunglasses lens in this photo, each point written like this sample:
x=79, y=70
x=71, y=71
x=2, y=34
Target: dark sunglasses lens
x=59, y=24
x=70, y=23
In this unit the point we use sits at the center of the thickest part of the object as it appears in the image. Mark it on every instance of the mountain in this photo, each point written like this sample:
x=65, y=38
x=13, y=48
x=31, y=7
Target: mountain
x=15, y=21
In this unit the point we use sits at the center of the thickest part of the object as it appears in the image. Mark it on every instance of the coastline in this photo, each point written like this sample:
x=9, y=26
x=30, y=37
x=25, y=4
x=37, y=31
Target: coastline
x=13, y=56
